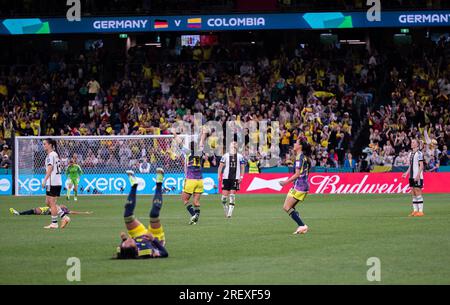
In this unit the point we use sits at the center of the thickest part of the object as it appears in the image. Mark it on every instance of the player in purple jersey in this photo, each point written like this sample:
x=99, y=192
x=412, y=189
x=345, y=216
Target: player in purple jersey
x=301, y=186
x=193, y=183
x=139, y=242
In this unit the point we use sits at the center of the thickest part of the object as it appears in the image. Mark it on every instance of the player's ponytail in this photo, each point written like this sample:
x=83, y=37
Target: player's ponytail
x=421, y=144
x=53, y=143
x=306, y=149
x=55, y=148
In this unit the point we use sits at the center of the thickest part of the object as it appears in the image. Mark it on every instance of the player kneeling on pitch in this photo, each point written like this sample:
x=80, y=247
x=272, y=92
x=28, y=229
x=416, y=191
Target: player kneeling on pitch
x=140, y=242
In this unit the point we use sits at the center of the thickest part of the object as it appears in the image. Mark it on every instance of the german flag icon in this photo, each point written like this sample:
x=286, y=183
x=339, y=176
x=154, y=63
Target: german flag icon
x=161, y=24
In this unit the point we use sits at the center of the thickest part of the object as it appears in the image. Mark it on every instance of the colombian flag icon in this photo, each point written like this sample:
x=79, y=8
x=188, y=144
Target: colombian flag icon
x=194, y=23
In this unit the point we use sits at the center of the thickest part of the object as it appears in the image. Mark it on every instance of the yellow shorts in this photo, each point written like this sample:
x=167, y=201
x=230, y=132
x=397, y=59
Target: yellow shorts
x=44, y=210
x=300, y=196
x=158, y=233
x=138, y=231
x=192, y=186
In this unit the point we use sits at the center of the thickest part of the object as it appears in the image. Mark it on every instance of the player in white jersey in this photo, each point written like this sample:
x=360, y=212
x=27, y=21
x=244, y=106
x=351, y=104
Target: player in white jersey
x=234, y=165
x=53, y=182
x=415, y=171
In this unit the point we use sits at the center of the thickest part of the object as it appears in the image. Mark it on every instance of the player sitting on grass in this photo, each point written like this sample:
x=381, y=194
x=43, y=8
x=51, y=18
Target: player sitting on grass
x=46, y=211
x=140, y=242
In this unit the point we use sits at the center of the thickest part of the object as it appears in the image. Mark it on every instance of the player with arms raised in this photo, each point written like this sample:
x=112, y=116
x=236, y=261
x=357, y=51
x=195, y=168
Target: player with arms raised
x=415, y=171
x=301, y=186
x=193, y=182
x=234, y=165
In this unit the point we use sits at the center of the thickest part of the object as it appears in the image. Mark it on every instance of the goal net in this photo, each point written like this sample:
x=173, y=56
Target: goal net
x=104, y=161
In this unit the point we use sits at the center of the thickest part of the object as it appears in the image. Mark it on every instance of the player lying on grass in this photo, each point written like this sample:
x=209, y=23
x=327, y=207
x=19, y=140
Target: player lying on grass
x=46, y=211
x=140, y=242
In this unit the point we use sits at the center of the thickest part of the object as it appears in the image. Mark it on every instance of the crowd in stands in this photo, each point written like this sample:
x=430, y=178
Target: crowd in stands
x=324, y=95
x=418, y=108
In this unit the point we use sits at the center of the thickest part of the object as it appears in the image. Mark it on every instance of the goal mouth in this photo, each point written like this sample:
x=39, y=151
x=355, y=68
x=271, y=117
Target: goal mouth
x=103, y=159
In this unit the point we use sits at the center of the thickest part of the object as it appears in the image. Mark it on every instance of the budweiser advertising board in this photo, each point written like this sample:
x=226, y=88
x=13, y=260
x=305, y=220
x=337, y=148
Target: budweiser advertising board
x=346, y=183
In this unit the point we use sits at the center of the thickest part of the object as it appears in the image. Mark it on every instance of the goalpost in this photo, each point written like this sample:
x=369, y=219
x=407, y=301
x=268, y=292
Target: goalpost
x=104, y=160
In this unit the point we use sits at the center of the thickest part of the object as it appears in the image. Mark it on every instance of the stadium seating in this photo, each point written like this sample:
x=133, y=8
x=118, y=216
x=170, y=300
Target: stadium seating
x=335, y=100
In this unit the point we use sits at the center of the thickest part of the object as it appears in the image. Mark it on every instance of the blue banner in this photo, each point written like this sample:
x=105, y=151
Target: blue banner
x=444, y=169
x=115, y=184
x=5, y=185
x=305, y=21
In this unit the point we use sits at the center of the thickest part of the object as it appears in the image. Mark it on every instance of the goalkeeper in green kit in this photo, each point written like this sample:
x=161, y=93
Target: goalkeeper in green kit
x=74, y=172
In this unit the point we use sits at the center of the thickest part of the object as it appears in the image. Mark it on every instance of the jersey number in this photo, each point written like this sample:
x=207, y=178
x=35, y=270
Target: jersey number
x=196, y=161
x=58, y=167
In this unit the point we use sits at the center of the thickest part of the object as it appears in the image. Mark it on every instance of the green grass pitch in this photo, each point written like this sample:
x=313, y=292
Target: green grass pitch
x=255, y=247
